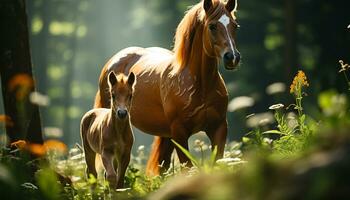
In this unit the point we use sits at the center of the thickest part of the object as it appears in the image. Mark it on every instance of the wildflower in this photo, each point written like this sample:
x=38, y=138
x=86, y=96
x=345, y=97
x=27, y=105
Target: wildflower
x=53, y=132
x=37, y=149
x=260, y=119
x=344, y=66
x=20, y=144
x=55, y=145
x=141, y=148
x=275, y=88
x=39, y=99
x=299, y=81
x=200, y=145
x=7, y=120
x=228, y=160
x=240, y=103
x=276, y=106
x=23, y=83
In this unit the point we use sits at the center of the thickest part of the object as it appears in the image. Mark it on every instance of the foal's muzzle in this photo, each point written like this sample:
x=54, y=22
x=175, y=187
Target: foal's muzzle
x=231, y=59
x=122, y=113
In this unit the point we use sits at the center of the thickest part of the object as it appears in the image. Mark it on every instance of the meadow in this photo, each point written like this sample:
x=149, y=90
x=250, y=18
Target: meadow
x=291, y=156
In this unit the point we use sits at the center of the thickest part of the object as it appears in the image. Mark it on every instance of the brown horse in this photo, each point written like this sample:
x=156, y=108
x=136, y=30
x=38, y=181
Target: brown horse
x=181, y=92
x=107, y=132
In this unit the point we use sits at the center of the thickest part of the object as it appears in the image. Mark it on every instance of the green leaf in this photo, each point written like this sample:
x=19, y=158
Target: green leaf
x=213, y=155
x=245, y=139
x=274, y=132
x=187, y=153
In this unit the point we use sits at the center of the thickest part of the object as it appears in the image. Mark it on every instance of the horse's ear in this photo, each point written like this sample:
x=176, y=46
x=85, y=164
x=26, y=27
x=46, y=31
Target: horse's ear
x=131, y=79
x=231, y=5
x=207, y=4
x=112, y=78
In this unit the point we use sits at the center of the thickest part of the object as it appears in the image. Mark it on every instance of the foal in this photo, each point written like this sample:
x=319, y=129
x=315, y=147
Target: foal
x=108, y=131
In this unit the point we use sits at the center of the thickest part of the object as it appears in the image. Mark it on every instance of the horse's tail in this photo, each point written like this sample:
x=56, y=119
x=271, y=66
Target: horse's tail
x=162, y=149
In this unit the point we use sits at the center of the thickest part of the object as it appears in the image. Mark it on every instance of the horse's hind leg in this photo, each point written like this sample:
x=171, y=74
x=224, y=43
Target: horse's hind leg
x=162, y=149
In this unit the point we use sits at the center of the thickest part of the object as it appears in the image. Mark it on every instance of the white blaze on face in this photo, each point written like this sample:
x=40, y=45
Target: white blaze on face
x=225, y=20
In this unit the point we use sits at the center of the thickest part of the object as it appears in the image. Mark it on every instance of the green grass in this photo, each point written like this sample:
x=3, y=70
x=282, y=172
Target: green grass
x=246, y=164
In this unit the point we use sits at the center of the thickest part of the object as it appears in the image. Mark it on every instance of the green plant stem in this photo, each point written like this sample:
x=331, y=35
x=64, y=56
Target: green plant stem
x=298, y=101
x=347, y=79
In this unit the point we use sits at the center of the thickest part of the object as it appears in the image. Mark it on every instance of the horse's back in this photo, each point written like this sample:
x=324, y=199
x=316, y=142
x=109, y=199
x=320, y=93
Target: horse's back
x=91, y=125
x=124, y=60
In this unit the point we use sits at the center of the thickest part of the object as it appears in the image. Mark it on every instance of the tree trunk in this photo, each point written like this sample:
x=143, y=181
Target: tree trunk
x=16, y=74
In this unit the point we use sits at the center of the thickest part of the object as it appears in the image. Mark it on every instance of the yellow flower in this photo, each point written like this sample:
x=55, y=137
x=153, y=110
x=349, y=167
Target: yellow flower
x=21, y=84
x=55, y=145
x=6, y=120
x=20, y=144
x=37, y=149
x=299, y=81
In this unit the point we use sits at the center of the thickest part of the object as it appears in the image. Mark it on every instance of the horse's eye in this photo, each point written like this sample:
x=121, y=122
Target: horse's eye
x=212, y=27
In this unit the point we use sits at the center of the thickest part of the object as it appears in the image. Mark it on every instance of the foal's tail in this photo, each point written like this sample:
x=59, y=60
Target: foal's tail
x=162, y=149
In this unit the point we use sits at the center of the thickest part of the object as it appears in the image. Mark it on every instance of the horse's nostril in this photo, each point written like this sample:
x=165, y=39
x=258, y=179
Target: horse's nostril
x=122, y=113
x=228, y=56
x=238, y=57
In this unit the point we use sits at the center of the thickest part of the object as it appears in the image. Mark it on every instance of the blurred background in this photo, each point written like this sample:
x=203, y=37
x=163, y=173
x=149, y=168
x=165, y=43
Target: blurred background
x=72, y=40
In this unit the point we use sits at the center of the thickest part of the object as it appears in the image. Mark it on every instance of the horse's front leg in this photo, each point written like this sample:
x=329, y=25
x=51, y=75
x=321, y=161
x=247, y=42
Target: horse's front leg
x=217, y=138
x=123, y=161
x=107, y=160
x=180, y=135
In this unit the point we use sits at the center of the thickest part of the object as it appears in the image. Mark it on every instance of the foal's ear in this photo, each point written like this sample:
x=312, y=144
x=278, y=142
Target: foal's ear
x=231, y=5
x=207, y=4
x=131, y=79
x=112, y=78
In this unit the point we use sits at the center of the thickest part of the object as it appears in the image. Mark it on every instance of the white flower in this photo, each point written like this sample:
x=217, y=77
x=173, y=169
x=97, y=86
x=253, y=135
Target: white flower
x=141, y=148
x=240, y=103
x=276, y=106
x=260, y=119
x=53, y=132
x=275, y=88
x=227, y=160
x=39, y=99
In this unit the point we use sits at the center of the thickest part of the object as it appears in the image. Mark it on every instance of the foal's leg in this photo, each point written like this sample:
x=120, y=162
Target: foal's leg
x=107, y=160
x=180, y=135
x=123, y=162
x=218, y=138
x=90, y=156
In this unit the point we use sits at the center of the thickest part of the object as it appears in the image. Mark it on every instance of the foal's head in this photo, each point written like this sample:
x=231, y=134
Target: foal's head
x=121, y=90
x=219, y=32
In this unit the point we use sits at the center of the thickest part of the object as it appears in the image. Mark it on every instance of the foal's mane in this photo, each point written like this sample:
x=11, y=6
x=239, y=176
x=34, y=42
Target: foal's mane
x=187, y=28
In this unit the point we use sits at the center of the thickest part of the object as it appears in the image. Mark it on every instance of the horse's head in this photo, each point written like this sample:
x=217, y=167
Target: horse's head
x=220, y=32
x=121, y=90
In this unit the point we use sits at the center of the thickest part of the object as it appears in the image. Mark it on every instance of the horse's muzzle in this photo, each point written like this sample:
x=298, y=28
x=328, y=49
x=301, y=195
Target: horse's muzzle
x=231, y=60
x=122, y=113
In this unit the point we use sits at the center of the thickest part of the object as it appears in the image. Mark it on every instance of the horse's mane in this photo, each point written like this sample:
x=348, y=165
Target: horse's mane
x=186, y=30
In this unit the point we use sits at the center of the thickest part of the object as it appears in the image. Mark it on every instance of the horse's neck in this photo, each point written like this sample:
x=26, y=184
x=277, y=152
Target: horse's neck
x=203, y=67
